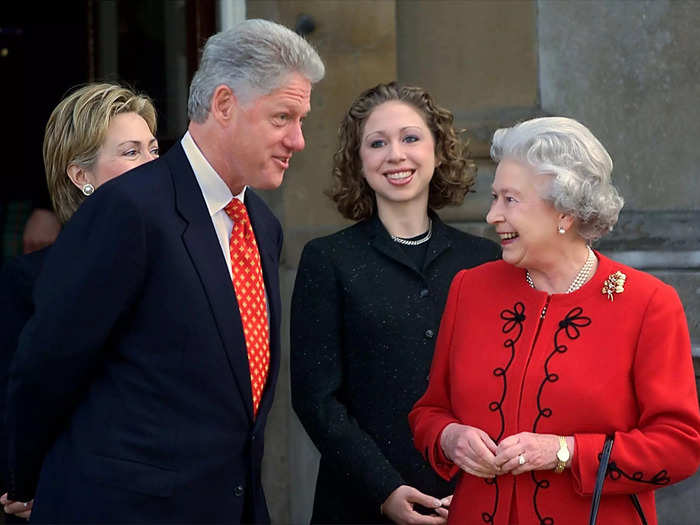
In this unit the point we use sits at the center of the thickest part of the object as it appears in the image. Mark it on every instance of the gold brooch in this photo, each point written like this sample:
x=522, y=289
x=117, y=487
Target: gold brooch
x=615, y=283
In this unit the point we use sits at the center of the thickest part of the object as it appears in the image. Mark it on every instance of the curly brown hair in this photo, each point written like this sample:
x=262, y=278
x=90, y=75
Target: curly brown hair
x=454, y=172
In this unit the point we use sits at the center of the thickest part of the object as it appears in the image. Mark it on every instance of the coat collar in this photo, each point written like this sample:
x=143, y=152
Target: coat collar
x=203, y=247
x=382, y=242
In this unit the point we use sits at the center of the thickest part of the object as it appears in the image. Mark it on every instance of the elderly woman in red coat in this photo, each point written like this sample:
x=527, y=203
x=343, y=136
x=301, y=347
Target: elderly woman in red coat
x=542, y=355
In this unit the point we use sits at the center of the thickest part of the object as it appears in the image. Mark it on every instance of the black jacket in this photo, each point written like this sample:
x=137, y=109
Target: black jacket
x=130, y=389
x=364, y=322
x=17, y=279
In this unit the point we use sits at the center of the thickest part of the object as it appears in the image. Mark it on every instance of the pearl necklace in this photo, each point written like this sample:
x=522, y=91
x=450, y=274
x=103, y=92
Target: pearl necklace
x=581, y=276
x=416, y=242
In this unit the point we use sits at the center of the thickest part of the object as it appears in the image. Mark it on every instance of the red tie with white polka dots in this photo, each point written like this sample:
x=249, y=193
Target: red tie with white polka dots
x=250, y=292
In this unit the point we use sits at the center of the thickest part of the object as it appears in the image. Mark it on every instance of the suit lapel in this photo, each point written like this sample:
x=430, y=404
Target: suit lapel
x=439, y=242
x=204, y=249
x=382, y=242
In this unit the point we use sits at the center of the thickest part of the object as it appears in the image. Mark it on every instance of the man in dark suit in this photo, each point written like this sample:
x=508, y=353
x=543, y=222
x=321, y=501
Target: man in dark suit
x=141, y=386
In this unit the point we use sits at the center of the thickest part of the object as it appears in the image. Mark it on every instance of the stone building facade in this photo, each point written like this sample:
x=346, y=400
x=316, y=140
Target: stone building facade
x=628, y=70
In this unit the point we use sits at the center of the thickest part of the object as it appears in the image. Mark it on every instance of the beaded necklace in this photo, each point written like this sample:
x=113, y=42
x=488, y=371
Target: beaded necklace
x=581, y=276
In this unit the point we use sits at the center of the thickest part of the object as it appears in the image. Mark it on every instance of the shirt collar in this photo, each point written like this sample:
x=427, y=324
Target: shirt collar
x=215, y=191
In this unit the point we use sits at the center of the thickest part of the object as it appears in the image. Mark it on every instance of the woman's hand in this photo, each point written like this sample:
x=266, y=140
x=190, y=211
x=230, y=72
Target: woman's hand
x=538, y=452
x=21, y=509
x=444, y=510
x=398, y=507
x=471, y=449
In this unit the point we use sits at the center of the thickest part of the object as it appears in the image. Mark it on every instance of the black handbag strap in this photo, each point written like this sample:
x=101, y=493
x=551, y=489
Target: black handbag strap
x=600, y=478
x=635, y=502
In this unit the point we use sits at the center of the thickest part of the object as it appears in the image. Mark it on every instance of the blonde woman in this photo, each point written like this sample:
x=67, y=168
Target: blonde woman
x=96, y=133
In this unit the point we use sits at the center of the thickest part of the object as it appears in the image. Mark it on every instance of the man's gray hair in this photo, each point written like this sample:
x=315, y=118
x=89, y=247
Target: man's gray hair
x=580, y=167
x=252, y=58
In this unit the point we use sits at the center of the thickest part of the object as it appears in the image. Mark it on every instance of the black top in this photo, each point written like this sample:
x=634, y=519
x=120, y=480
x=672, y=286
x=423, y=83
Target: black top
x=17, y=279
x=363, y=324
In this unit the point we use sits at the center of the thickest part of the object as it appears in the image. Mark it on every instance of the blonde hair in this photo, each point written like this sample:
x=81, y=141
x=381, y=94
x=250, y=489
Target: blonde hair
x=75, y=132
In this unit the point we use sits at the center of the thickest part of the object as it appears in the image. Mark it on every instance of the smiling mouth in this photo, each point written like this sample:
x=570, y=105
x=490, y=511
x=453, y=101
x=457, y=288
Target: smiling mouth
x=284, y=161
x=399, y=178
x=398, y=175
x=508, y=236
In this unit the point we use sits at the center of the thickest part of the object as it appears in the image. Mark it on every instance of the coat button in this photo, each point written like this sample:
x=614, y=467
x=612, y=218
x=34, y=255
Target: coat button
x=429, y=333
x=238, y=491
x=424, y=292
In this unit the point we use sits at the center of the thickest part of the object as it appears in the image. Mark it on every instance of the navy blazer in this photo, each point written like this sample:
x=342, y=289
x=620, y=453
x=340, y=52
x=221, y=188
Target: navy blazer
x=130, y=397
x=17, y=278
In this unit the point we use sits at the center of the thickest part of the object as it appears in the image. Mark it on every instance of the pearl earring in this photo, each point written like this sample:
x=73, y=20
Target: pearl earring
x=88, y=189
x=561, y=230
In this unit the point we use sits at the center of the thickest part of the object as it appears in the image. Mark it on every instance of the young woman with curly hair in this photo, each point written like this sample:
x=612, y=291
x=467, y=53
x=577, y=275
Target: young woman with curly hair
x=367, y=305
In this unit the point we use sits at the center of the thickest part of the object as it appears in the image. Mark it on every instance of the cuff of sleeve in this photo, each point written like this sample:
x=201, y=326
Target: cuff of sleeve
x=445, y=468
x=385, y=491
x=584, y=466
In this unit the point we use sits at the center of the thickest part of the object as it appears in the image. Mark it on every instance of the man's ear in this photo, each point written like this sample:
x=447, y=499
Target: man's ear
x=77, y=175
x=223, y=104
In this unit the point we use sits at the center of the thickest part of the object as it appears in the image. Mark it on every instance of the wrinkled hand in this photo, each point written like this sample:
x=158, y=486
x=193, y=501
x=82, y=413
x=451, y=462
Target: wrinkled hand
x=18, y=508
x=398, y=507
x=471, y=449
x=538, y=450
x=41, y=229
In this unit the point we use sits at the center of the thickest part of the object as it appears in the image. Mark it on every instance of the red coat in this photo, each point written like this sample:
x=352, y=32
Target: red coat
x=589, y=367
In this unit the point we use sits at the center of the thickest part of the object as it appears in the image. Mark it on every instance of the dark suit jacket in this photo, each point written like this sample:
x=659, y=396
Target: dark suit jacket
x=364, y=322
x=17, y=279
x=131, y=388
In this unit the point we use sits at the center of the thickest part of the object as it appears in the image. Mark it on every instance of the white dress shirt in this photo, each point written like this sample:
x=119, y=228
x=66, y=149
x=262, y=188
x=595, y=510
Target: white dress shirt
x=216, y=194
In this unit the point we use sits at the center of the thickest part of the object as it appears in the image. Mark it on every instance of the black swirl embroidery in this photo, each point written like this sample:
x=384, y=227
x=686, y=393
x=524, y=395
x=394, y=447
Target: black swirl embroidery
x=570, y=326
x=540, y=484
x=487, y=517
x=513, y=321
x=659, y=479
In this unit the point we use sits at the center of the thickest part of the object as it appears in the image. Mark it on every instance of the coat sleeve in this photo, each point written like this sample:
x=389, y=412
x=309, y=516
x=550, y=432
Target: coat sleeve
x=317, y=378
x=91, y=276
x=16, y=308
x=433, y=411
x=665, y=446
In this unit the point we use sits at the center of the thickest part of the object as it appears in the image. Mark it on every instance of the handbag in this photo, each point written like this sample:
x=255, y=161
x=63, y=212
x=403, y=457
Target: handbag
x=600, y=478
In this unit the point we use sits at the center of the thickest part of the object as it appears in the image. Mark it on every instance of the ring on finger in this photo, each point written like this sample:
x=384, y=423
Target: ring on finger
x=521, y=459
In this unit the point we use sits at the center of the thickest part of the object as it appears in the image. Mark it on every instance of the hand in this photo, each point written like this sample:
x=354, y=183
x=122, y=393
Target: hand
x=18, y=508
x=41, y=229
x=444, y=510
x=538, y=450
x=398, y=507
x=471, y=449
